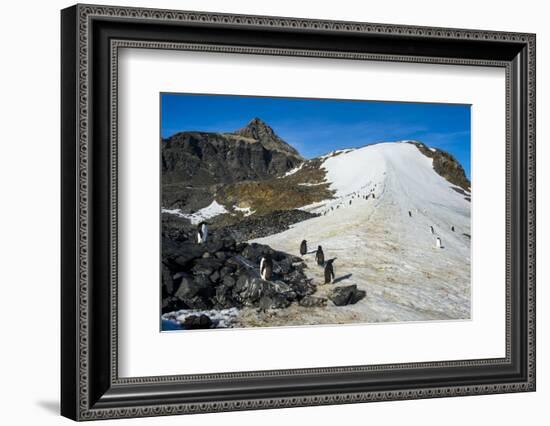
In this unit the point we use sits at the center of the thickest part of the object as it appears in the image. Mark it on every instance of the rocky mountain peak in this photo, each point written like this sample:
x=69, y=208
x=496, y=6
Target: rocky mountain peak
x=256, y=129
x=259, y=130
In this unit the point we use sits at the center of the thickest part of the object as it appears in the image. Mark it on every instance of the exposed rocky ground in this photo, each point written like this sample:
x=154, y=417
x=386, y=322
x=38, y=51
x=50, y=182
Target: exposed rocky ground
x=446, y=166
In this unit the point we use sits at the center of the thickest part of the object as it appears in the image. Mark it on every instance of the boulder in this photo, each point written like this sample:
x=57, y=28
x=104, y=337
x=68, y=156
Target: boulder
x=206, y=266
x=181, y=253
x=226, y=270
x=249, y=289
x=170, y=304
x=273, y=288
x=167, y=280
x=346, y=295
x=223, y=298
x=214, y=245
x=229, y=281
x=276, y=301
x=283, y=266
x=195, y=322
x=188, y=287
x=255, y=251
x=215, y=277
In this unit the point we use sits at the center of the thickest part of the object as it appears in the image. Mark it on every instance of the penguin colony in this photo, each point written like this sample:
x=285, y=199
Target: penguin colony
x=266, y=263
x=364, y=193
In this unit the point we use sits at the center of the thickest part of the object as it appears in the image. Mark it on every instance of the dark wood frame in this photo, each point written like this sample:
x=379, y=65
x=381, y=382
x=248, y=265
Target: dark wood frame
x=90, y=386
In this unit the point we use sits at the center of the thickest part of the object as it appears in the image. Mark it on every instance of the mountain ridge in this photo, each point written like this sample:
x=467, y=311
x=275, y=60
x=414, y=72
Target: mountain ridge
x=194, y=163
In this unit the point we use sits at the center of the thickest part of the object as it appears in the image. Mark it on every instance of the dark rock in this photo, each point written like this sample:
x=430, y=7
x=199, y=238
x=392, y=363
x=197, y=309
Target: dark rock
x=240, y=247
x=303, y=288
x=255, y=251
x=193, y=322
x=198, y=302
x=215, y=277
x=214, y=245
x=177, y=228
x=181, y=253
x=222, y=255
x=226, y=270
x=188, y=288
x=167, y=280
x=223, y=298
x=313, y=302
x=229, y=281
x=347, y=295
x=276, y=301
x=170, y=304
x=283, y=266
x=273, y=288
x=272, y=223
x=206, y=266
x=248, y=289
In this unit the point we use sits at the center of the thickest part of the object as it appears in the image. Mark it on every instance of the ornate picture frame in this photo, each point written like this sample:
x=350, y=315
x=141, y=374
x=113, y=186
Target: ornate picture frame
x=91, y=37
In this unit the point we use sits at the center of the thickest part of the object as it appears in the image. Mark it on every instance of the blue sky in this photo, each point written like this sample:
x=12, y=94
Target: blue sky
x=317, y=126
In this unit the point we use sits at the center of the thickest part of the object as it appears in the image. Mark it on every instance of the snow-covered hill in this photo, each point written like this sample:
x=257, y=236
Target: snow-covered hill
x=378, y=226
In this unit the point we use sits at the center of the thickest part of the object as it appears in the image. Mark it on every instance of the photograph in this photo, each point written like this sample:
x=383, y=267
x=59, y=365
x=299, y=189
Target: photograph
x=283, y=211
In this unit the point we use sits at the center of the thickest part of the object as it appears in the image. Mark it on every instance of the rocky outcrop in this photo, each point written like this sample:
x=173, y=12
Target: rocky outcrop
x=346, y=295
x=258, y=130
x=446, y=166
x=223, y=274
x=194, y=163
x=253, y=227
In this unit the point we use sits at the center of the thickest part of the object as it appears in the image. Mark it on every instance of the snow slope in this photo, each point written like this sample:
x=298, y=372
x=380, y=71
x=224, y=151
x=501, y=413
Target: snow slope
x=380, y=246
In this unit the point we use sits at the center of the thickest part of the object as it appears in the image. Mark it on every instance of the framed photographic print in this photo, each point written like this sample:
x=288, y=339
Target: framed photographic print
x=263, y=212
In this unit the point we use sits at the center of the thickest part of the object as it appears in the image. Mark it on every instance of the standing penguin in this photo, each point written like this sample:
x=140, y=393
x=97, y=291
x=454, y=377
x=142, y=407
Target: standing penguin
x=453, y=228
x=438, y=242
x=320, y=256
x=202, y=232
x=329, y=271
x=432, y=229
x=410, y=214
x=266, y=267
x=303, y=247
x=350, y=202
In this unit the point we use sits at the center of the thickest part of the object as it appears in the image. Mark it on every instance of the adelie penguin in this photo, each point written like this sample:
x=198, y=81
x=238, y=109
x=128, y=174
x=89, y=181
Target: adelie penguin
x=453, y=228
x=431, y=229
x=438, y=242
x=320, y=256
x=266, y=267
x=329, y=271
x=410, y=214
x=202, y=232
x=303, y=247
